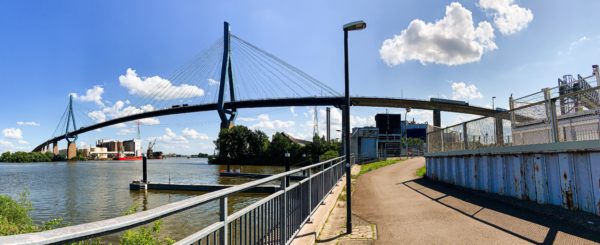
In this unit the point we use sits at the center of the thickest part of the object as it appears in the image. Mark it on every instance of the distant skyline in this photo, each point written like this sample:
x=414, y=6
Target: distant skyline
x=108, y=54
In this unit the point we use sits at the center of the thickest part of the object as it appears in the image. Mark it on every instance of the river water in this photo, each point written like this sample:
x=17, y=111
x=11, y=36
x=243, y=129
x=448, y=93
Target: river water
x=81, y=192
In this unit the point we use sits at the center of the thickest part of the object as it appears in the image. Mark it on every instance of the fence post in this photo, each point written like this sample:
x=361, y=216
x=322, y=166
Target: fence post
x=499, y=131
x=511, y=104
x=223, y=233
x=551, y=115
x=283, y=213
x=442, y=139
x=465, y=137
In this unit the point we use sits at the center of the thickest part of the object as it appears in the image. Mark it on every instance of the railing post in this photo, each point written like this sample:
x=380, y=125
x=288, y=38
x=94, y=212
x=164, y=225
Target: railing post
x=283, y=213
x=323, y=180
x=309, y=192
x=223, y=233
x=144, y=169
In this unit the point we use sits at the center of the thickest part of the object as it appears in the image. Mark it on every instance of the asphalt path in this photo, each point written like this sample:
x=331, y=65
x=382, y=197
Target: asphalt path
x=410, y=210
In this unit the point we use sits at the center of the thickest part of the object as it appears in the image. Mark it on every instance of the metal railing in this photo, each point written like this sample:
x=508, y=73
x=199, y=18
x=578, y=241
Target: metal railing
x=572, y=116
x=275, y=219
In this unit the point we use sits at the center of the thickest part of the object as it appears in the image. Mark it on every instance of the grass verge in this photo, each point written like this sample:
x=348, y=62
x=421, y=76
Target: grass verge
x=375, y=165
x=421, y=171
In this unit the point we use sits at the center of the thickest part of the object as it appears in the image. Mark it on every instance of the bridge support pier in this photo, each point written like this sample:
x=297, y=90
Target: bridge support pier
x=437, y=118
x=71, y=150
x=55, y=148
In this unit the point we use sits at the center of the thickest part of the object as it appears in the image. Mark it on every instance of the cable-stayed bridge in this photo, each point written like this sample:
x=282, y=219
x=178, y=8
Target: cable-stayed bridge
x=231, y=74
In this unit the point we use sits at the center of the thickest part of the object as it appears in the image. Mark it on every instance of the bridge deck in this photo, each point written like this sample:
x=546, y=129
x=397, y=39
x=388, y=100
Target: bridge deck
x=284, y=102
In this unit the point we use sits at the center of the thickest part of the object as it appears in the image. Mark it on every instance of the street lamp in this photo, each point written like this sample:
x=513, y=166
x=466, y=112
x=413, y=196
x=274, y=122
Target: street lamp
x=406, y=131
x=352, y=26
x=287, y=161
x=287, y=167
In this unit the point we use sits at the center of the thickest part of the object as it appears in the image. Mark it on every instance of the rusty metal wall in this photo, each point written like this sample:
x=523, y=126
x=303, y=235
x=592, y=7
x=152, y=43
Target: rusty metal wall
x=568, y=179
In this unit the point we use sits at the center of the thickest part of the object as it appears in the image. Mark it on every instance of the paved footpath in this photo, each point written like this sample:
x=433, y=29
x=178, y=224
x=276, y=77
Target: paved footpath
x=409, y=210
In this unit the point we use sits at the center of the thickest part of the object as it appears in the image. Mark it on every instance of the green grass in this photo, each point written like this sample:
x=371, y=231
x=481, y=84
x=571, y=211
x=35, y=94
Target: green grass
x=375, y=165
x=421, y=171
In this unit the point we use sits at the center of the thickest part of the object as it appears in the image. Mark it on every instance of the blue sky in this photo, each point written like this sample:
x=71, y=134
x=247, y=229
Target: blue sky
x=489, y=48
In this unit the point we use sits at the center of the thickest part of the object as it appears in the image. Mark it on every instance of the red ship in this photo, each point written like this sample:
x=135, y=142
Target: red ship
x=127, y=158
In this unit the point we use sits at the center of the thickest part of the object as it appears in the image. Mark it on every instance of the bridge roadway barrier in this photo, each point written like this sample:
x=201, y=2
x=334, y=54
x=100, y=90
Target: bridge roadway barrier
x=564, y=174
x=275, y=219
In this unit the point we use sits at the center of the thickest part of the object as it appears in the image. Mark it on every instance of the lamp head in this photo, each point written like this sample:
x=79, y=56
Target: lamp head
x=356, y=25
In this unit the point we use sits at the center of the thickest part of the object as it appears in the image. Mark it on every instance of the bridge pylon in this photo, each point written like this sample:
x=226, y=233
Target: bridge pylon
x=70, y=121
x=227, y=78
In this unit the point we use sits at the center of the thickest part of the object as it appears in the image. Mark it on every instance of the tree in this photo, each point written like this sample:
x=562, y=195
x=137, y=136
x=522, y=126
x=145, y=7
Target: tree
x=240, y=145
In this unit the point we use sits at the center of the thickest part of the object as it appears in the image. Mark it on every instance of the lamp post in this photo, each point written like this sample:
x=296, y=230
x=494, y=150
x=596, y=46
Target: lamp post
x=353, y=26
x=287, y=167
x=406, y=131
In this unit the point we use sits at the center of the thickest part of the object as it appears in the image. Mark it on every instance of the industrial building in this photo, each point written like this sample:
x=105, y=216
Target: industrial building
x=120, y=150
x=385, y=139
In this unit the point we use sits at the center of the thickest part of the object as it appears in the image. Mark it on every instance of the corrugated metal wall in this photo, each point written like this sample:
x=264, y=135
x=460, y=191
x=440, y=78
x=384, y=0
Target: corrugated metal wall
x=570, y=180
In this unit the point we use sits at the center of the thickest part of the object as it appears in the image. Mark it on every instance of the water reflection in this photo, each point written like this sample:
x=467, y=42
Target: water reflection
x=82, y=192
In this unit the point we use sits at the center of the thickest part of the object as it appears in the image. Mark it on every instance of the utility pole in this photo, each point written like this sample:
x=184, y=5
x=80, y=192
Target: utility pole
x=328, y=121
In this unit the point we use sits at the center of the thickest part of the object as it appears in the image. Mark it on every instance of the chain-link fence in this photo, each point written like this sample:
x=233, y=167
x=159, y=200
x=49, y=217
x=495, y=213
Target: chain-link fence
x=569, y=112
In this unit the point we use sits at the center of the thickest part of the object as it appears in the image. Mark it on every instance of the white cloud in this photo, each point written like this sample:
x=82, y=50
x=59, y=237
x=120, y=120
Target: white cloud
x=453, y=40
x=20, y=123
x=579, y=43
x=420, y=116
x=156, y=87
x=213, y=82
x=13, y=133
x=193, y=134
x=462, y=91
x=171, y=137
x=149, y=121
x=94, y=94
x=6, y=145
x=510, y=18
x=97, y=116
x=23, y=142
x=264, y=122
x=119, y=125
x=118, y=109
x=293, y=111
x=358, y=121
x=125, y=131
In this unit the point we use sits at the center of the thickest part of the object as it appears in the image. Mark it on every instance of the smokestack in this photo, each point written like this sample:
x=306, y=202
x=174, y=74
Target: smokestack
x=596, y=73
x=328, y=119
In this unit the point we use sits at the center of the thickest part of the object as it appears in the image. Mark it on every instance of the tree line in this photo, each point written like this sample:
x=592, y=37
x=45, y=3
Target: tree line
x=240, y=145
x=21, y=156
